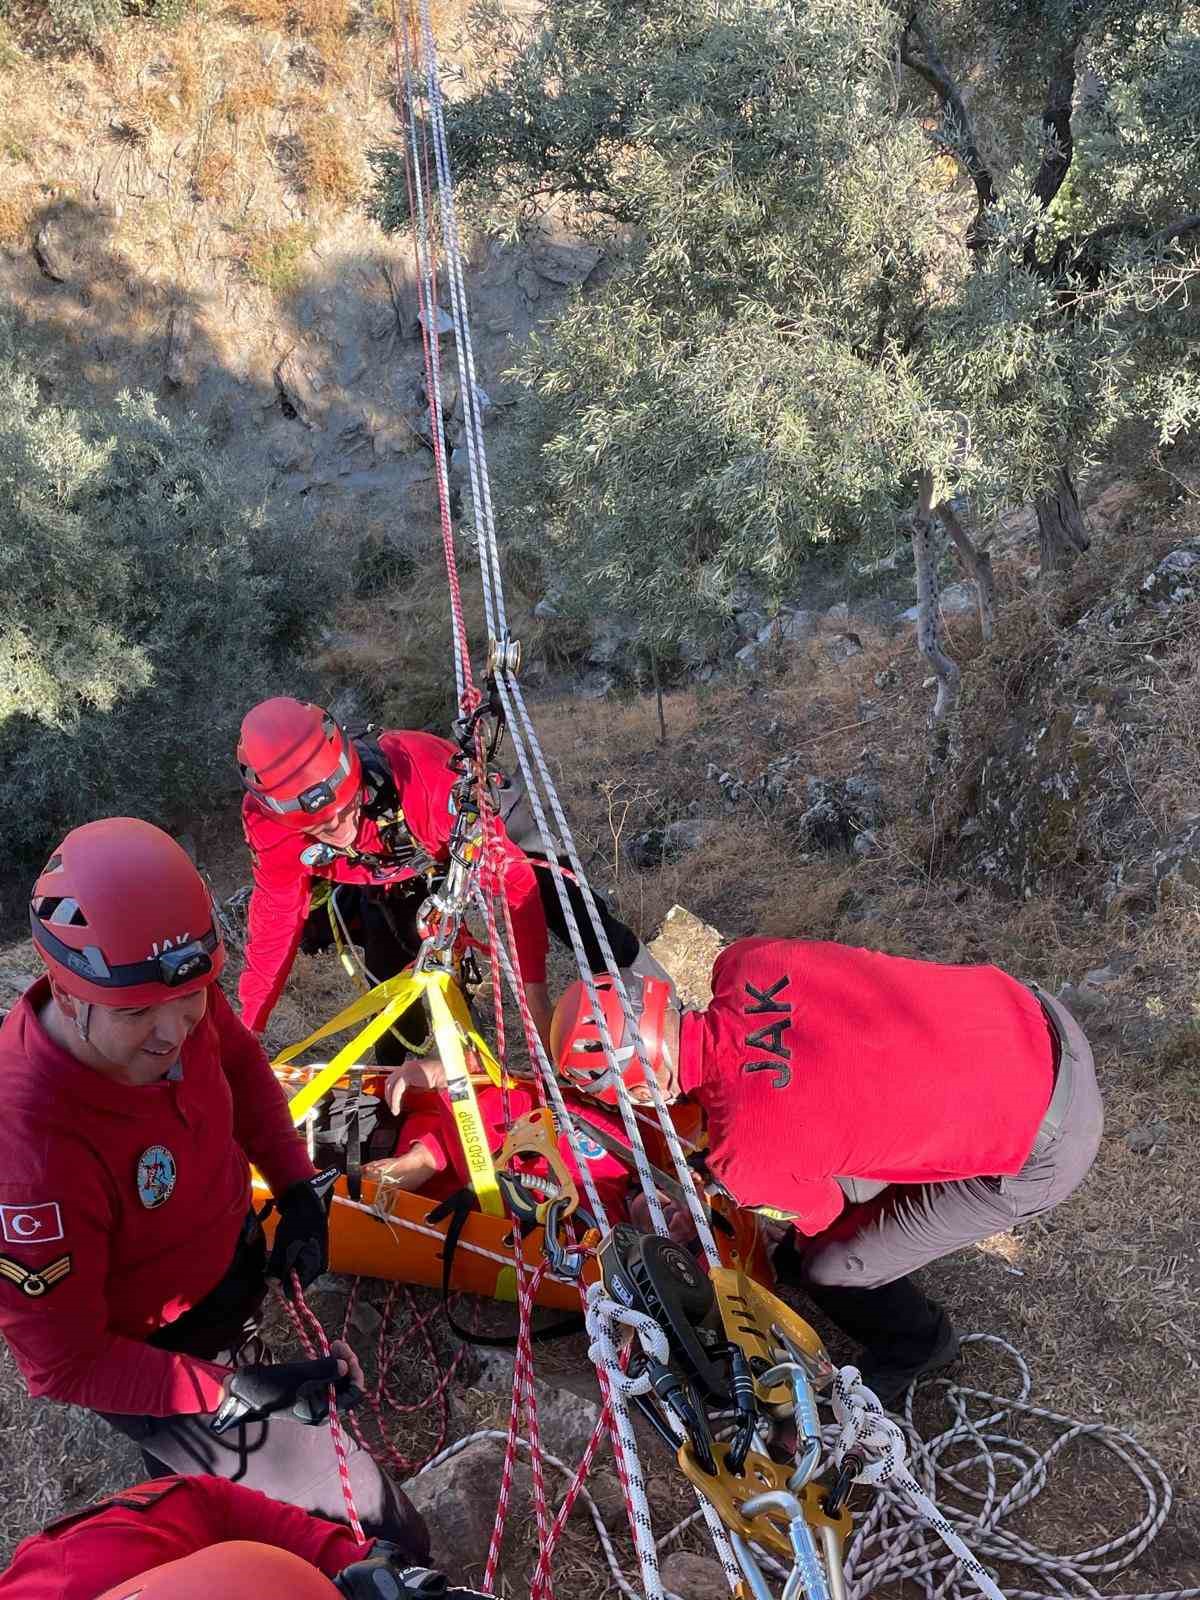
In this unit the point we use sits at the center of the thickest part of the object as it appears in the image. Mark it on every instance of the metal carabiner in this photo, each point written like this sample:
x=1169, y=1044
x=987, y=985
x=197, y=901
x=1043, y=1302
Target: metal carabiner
x=566, y=1261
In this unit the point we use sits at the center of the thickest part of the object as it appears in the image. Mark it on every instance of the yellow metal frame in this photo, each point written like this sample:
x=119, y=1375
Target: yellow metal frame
x=456, y=1036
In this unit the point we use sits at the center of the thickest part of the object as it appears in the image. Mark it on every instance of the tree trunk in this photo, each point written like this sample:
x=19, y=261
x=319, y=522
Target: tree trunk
x=658, y=696
x=1062, y=534
x=930, y=634
x=977, y=565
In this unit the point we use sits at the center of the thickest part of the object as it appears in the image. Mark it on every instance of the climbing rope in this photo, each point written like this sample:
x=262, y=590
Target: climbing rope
x=313, y=1338
x=890, y=1545
x=904, y=1536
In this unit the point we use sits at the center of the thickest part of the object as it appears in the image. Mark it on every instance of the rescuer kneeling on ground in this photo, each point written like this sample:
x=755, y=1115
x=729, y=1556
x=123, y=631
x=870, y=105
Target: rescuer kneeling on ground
x=132, y=1267
x=891, y=1110
x=204, y=1538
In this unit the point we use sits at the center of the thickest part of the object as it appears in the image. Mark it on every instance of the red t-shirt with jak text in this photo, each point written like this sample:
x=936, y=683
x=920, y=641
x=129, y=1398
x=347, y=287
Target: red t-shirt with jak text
x=816, y=1061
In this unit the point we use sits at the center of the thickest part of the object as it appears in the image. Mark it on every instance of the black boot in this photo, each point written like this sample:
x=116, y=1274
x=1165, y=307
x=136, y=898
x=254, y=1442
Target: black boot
x=903, y=1333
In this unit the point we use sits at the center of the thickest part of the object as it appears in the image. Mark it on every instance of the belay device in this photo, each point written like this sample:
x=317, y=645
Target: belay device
x=739, y=1360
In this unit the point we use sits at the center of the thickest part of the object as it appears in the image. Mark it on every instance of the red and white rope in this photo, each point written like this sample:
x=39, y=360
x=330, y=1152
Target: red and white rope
x=303, y=1314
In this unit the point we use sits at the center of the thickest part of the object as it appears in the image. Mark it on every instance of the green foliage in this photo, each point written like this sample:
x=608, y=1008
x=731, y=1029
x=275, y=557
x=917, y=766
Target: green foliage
x=274, y=257
x=142, y=609
x=72, y=24
x=802, y=313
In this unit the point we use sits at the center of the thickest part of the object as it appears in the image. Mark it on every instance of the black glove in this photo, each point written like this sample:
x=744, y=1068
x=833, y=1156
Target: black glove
x=302, y=1236
x=255, y=1393
x=382, y=1577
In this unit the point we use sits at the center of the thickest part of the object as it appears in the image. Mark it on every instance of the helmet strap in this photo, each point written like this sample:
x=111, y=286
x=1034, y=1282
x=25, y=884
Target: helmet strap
x=83, y=1018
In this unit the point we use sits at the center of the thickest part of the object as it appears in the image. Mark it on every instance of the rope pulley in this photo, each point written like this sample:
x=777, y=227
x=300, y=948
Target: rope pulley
x=504, y=655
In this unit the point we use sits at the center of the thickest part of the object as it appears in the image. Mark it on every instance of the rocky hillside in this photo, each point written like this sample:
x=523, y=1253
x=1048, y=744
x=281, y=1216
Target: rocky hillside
x=181, y=211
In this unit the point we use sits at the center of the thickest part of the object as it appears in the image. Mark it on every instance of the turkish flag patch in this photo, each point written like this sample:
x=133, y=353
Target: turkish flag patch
x=40, y=1224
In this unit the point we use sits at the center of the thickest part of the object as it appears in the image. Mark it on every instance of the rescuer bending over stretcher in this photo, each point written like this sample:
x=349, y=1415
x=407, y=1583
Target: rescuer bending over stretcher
x=891, y=1110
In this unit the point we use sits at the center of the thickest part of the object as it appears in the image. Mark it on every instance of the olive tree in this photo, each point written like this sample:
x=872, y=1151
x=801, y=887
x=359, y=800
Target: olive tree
x=860, y=259
x=144, y=604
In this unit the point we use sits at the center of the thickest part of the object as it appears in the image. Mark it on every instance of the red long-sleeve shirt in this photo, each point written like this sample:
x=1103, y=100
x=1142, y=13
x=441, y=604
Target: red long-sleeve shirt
x=126, y=1205
x=424, y=778
x=429, y=1121
x=816, y=1061
x=84, y=1555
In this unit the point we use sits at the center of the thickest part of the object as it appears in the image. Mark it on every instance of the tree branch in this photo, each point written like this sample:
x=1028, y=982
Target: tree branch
x=930, y=637
x=1058, y=143
x=930, y=66
x=1088, y=262
x=976, y=562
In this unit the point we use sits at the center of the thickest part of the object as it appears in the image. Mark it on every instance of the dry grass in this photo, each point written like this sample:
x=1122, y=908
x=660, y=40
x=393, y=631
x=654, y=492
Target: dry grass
x=273, y=257
x=18, y=205
x=330, y=167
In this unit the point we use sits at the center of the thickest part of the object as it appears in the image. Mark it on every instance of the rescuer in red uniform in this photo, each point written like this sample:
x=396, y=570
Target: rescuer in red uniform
x=891, y=1110
x=377, y=813
x=132, y=1102
x=204, y=1538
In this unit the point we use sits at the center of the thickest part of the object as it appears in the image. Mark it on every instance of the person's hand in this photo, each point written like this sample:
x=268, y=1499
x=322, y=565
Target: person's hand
x=422, y=1072
x=252, y=1394
x=393, y=1090
x=680, y=1226
x=301, y=1243
x=342, y=1353
x=383, y=1577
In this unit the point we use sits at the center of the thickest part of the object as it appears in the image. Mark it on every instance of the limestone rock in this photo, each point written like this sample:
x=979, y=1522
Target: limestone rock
x=445, y=322
x=52, y=247
x=1148, y=1136
x=566, y=1418
x=842, y=646
x=955, y=600
x=287, y=449
x=1175, y=580
x=597, y=685
x=789, y=627
x=1032, y=796
x=687, y=948
x=564, y=261
x=609, y=640
x=653, y=846
x=837, y=811
x=1177, y=864
x=457, y=1498
x=299, y=385
x=181, y=335
x=693, y=1577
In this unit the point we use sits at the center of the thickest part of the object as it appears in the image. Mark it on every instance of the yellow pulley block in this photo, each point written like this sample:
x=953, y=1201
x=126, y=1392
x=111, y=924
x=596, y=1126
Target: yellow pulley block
x=728, y=1493
x=758, y=1322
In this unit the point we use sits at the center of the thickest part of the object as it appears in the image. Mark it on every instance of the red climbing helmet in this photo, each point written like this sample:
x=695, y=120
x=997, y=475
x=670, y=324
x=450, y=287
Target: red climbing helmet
x=578, y=1049
x=122, y=918
x=297, y=762
x=234, y=1570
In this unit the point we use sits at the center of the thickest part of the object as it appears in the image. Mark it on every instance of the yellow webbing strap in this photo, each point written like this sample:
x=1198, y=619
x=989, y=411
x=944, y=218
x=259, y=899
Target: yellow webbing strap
x=454, y=1031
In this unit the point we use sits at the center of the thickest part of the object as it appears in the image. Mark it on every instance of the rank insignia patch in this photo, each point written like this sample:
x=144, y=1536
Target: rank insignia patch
x=35, y=1284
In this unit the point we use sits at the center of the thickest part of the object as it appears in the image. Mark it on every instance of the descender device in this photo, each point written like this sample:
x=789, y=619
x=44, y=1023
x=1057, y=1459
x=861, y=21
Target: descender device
x=736, y=1400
